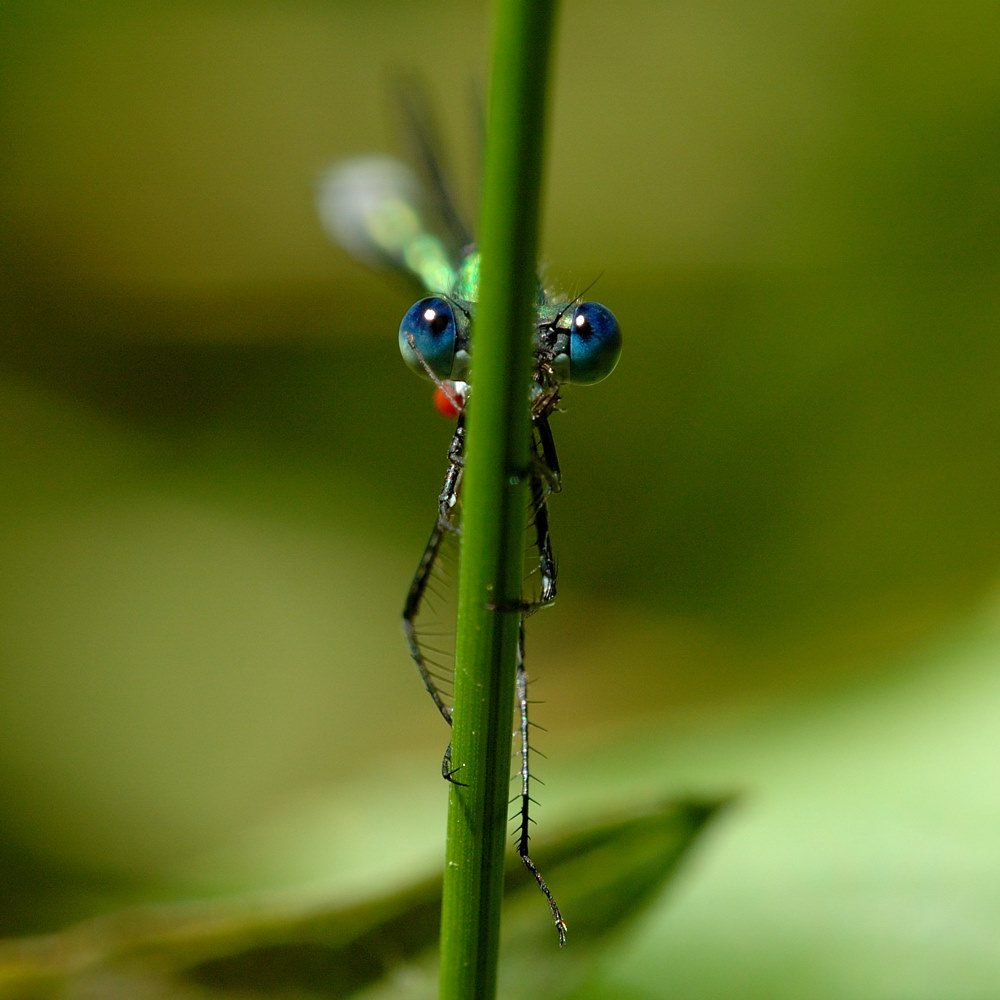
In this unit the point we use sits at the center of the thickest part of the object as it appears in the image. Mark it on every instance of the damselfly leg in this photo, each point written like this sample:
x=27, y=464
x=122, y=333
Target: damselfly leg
x=543, y=477
x=436, y=683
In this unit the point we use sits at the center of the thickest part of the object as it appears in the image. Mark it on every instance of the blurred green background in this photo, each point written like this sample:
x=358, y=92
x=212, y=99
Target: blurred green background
x=780, y=531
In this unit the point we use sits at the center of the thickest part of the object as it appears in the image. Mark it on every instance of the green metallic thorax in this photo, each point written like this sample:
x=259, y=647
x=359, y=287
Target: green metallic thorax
x=466, y=290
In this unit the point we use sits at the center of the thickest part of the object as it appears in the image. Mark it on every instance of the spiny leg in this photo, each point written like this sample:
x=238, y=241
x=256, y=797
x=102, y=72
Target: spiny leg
x=447, y=503
x=414, y=598
x=544, y=480
x=548, y=459
x=524, y=818
x=448, y=498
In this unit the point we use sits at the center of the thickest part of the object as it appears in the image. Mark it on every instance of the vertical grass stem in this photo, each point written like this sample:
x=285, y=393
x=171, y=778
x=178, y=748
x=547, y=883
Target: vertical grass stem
x=494, y=497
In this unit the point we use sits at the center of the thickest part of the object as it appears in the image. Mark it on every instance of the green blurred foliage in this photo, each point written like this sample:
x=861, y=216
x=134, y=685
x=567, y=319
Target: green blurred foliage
x=781, y=524
x=384, y=946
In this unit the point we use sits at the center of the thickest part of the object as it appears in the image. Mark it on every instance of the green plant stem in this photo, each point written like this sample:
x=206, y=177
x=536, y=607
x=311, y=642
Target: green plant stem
x=494, y=499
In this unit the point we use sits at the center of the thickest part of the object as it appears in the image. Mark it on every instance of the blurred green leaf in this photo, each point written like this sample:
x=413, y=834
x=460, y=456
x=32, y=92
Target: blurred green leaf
x=606, y=874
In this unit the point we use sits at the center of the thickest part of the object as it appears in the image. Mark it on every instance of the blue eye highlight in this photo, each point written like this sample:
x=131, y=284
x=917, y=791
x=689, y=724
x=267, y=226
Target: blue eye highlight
x=428, y=333
x=595, y=343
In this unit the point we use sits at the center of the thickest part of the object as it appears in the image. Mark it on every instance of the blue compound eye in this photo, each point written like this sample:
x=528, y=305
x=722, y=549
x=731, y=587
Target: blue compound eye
x=427, y=334
x=595, y=343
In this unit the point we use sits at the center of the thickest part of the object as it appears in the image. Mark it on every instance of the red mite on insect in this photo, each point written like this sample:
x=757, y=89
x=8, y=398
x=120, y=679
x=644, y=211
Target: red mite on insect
x=447, y=404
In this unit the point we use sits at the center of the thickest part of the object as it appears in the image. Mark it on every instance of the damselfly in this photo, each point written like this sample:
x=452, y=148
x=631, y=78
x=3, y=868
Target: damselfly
x=375, y=208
